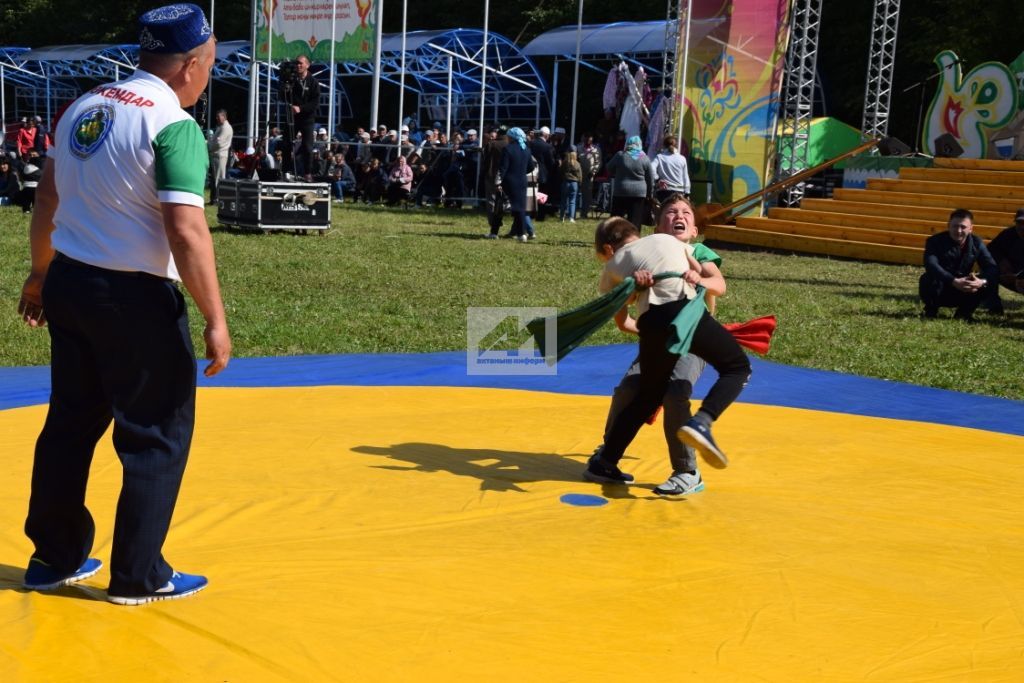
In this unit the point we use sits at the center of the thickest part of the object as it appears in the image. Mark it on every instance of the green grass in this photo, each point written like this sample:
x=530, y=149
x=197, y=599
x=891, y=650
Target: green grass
x=400, y=281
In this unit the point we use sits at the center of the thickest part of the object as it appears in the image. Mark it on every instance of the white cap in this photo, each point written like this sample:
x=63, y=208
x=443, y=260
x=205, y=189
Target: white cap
x=322, y=131
x=471, y=131
x=392, y=132
x=559, y=130
x=405, y=129
x=250, y=150
x=544, y=130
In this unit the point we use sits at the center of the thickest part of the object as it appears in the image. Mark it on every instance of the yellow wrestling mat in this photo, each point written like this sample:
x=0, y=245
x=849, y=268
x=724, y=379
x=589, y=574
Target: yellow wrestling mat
x=407, y=534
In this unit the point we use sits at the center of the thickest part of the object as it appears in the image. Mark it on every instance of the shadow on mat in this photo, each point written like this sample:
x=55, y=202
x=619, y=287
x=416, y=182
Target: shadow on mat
x=11, y=578
x=496, y=470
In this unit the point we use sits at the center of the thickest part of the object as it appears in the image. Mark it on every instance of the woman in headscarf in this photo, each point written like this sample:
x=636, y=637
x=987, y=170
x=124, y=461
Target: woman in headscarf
x=632, y=181
x=516, y=163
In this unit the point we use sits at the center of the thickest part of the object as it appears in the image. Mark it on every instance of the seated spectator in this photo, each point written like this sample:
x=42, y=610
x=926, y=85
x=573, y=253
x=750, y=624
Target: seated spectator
x=10, y=183
x=321, y=165
x=949, y=261
x=271, y=165
x=320, y=142
x=31, y=173
x=454, y=181
x=399, y=182
x=342, y=178
x=373, y=182
x=1007, y=249
x=246, y=164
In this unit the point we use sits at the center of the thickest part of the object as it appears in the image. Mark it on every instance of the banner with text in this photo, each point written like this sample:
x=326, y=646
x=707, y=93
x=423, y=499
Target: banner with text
x=287, y=29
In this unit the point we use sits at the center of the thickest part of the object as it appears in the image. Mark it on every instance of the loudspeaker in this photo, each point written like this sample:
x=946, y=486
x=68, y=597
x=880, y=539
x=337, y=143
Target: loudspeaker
x=892, y=147
x=947, y=146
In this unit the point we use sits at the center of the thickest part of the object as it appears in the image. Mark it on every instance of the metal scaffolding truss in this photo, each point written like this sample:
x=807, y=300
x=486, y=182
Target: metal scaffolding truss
x=14, y=70
x=449, y=61
x=881, y=65
x=798, y=94
x=94, y=62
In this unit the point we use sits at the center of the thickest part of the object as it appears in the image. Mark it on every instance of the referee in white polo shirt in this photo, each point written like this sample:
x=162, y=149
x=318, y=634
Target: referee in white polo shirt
x=118, y=221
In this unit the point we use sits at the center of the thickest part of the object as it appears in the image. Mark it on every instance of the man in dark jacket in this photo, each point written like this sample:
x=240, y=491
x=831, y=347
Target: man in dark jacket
x=949, y=261
x=302, y=94
x=547, y=169
x=1007, y=249
x=492, y=162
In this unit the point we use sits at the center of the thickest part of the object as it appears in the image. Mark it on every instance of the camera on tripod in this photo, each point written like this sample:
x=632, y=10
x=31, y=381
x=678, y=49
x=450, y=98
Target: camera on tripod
x=287, y=73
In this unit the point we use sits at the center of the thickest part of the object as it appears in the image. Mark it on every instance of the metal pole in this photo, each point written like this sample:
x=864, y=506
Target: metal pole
x=252, y=116
x=576, y=75
x=3, y=109
x=401, y=82
x=270, y=52
x=682, y=82
x=209, y=85
x=482, y=137
x=483, y=72
x=448, y=120
x=554, y=94
x=331, y=127
x=375, y=97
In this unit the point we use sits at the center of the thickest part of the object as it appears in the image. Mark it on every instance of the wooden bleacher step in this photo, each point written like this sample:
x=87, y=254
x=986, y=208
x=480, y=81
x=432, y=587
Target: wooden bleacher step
x=886, y=223
x=947, y=202
x=936, y=214
x=885, y=253
x=936, y=188
x=980, y=164
x=960, y=175
x=836, y=232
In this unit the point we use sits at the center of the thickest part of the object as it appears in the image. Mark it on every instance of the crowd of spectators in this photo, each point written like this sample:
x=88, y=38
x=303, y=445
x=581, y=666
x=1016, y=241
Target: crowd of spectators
x=22, y=160
x=572, y=180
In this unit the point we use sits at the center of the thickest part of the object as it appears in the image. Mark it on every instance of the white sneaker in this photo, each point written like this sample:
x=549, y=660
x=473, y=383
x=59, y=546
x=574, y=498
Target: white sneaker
x=521, y=238
x=681, y=484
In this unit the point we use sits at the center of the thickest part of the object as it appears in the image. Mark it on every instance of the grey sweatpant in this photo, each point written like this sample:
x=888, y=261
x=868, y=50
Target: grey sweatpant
x=676, y=406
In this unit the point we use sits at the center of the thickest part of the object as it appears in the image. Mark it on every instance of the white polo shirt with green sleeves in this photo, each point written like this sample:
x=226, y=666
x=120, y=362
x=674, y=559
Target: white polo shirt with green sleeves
x=120, y=151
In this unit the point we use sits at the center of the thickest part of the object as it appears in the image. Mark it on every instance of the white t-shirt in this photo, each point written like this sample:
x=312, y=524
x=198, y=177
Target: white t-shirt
x=659, y=254
x=119, y=152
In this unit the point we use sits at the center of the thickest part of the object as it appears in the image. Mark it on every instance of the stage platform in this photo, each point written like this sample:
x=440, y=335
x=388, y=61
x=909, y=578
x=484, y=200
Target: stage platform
x=389, y=518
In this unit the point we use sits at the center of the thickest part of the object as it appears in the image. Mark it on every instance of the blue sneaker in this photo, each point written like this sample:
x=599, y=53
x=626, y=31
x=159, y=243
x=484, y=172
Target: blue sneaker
x=698, y=436
x=180, y=586
x=41, y=577
x=600, y=472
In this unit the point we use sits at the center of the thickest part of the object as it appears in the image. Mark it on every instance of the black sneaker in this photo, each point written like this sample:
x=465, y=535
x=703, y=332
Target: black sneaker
x=600, y=472
x=698, y=436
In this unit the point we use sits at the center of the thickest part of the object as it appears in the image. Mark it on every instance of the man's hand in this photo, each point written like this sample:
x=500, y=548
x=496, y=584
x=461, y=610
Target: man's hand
x=968, y=284
x=218, y=348
x=295, y=108
x=644, y=279
x=30, y=307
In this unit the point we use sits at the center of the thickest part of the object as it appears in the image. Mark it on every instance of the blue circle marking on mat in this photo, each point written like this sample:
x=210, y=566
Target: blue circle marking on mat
x=583, y=500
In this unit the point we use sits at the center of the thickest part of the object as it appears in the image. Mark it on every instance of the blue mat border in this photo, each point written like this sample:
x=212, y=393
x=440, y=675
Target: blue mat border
x=592, y=370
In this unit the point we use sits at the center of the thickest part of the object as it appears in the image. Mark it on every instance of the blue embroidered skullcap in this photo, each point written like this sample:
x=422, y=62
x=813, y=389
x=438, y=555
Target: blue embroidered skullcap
x=173, y=29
